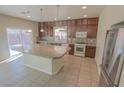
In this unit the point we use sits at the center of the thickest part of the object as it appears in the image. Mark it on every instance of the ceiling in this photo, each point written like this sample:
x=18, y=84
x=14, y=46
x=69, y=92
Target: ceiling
x=49, y=12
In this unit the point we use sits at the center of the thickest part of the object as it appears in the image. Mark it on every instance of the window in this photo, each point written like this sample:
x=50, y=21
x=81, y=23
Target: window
x=60, y=34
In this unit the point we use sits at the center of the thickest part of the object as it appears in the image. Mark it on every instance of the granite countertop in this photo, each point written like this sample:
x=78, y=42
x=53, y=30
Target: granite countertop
x=93, y=45
x=50, y=51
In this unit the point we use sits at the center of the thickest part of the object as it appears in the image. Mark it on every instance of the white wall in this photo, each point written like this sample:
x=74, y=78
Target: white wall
x=17, y=23
x=109, y=16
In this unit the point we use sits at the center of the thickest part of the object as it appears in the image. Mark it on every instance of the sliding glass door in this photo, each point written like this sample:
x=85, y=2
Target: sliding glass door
x=27, y=41
x=19, y=39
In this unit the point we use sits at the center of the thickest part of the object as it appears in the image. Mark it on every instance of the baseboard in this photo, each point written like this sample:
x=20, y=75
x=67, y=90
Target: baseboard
x=58, y=70
x=38, y=69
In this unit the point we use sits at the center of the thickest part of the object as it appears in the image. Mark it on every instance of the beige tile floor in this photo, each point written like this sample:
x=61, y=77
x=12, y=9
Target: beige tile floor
x=77, y=72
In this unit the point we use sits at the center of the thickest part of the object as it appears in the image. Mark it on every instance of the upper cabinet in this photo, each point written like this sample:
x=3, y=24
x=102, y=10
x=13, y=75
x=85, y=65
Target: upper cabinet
x=71, y=22
x=88, y=25
x=84, y=22
x=81, y=22
x=92, y=31
x=92, y=21
x=92, y=27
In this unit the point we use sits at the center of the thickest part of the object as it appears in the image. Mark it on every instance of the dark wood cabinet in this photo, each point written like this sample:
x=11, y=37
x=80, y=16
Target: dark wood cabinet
x=68, y=22
x=88, y=25
x=82, y=28
x=73, y=30
x=91, y=31
x=84, y=22
x=92, y=21
x=90, y=51
x=79, y=22
x=69, y=32
x=71, y=51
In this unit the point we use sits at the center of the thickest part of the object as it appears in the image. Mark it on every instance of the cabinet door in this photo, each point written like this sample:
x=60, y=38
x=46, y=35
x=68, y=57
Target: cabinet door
x=92, y=21
x=73, y=23
x=69, y=31
x=64, y=23
x=81, y=28
x=51, y=31
x=84, y=22
x=71, y=52
x=79, y=22
x=73, y=30
x=69, y=22
x=92, y=31
x=90, y=51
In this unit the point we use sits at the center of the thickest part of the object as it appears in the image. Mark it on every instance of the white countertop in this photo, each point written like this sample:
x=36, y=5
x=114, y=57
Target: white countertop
x=50, y=51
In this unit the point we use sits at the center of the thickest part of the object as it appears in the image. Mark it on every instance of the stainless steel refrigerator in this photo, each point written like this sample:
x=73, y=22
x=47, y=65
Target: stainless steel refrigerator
x=113, y=56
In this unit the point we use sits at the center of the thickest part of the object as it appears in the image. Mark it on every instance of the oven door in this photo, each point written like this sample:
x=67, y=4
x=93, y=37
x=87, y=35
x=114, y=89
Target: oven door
x=79, y=49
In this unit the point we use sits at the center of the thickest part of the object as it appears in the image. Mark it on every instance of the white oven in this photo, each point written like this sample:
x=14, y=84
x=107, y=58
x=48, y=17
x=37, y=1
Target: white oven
x=80, y=43
x=79, y=49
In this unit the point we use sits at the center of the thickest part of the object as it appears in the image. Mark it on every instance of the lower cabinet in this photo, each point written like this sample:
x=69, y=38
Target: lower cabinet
x=90, y=51
x=71, y=52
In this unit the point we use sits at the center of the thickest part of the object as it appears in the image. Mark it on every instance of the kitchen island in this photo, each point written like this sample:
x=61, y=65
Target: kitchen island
x=45, y=58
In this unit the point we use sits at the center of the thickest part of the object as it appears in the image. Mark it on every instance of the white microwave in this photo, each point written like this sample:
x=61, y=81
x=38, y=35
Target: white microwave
x=81, y=34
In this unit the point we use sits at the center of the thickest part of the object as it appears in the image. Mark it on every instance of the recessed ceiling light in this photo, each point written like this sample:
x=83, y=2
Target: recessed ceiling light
x=55, y=18
x=69, y=17
x=28, y=16
x=84, y=7
x=84, y=15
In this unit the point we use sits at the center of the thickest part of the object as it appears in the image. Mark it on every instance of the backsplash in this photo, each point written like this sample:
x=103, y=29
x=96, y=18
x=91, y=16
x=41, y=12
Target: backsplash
x=91, y=41
x=88, y=41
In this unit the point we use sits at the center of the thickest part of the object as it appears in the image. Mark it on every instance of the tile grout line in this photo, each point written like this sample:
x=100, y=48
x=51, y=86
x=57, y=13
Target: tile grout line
x=79, y=73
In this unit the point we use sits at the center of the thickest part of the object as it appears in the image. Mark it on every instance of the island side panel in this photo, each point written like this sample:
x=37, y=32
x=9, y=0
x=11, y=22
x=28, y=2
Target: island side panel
x=40, y=63
x=57, y=65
